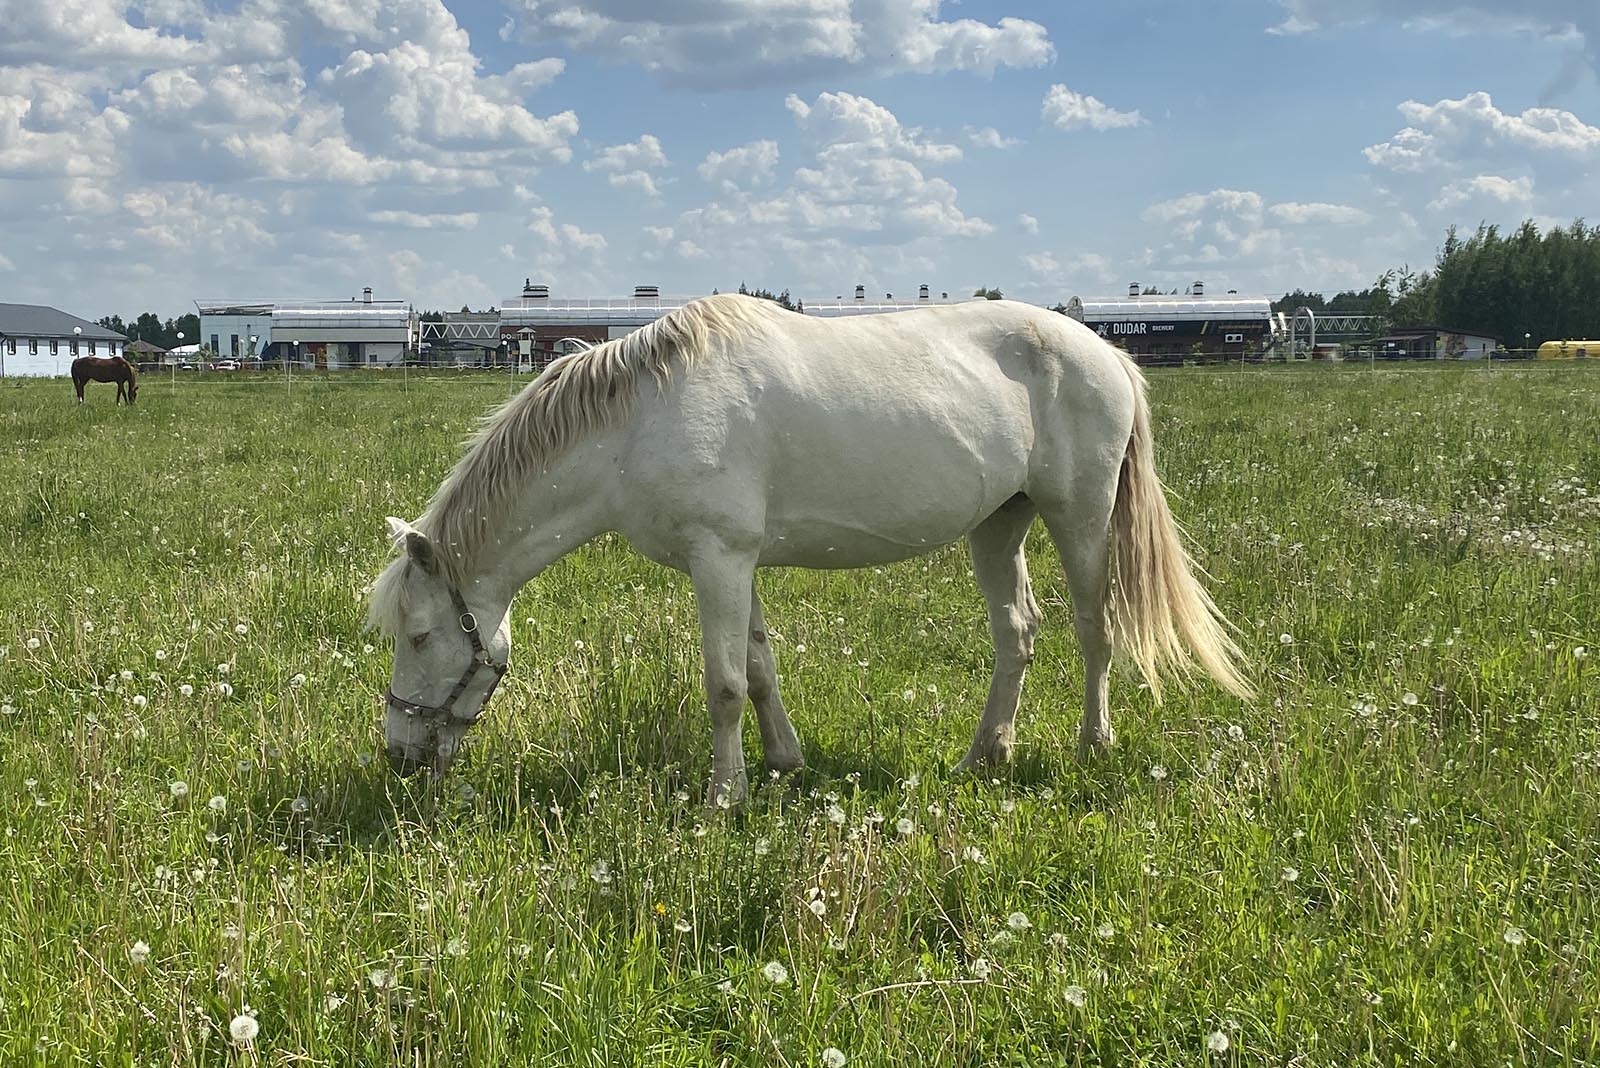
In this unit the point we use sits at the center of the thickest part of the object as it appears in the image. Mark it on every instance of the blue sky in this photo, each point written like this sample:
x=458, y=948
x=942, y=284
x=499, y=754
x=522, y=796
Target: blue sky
x=440, y=151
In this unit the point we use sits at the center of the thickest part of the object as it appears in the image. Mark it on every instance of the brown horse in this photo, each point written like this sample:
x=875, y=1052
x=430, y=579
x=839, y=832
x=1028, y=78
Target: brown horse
x=106, y=369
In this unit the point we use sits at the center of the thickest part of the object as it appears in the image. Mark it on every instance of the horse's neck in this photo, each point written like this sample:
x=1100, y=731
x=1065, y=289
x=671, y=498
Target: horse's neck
x=557, y=511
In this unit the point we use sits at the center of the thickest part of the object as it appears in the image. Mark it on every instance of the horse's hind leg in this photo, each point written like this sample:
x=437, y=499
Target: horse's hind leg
x=1082, y=533
x=77, y=384
x=779, y=745
x=1001, y=568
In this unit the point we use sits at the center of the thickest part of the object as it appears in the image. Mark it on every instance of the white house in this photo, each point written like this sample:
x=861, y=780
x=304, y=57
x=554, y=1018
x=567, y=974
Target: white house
x=36, y=341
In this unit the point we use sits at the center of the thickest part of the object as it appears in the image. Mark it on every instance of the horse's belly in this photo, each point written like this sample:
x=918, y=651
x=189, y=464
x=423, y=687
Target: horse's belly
x=821, y=544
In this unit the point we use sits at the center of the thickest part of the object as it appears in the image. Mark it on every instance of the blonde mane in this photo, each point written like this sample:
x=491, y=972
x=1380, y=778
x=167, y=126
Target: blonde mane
x=575, y=397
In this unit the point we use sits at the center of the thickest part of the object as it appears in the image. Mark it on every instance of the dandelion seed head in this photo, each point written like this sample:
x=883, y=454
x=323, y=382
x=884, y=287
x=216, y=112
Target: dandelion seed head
x=243, y=1029
x=905, y=827
x=774, y=972
x=1018, y=922
x=818, y=907
x=833, y=1057
x=1217, y=1042
x=1514, y=936
x=139, y=953
x=1076, y=996
x=178, y=789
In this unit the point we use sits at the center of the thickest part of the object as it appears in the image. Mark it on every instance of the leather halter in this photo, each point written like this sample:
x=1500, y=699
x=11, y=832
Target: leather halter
x=438, y=715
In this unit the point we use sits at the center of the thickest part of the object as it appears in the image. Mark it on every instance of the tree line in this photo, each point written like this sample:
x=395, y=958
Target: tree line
x=1505, y=285
x=152, y=328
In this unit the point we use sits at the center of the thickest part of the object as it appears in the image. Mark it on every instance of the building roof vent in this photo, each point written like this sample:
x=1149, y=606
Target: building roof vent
x=646, y=292
x=861, y=292
x=1198, y=289
x=922, y=291
x=366, y=295
x=1133, y=290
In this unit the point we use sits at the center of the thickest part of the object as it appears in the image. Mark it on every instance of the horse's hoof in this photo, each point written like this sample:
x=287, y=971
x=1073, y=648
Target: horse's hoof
x=728, y=793
x=1093, y=744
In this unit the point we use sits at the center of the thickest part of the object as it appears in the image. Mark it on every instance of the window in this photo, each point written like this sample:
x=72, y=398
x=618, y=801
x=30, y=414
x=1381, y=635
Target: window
x=215, y=348
x=55, y=346
x=33, y=346
x=74, y=347
x=11, y=346
x=235, y=351
x=94, y=348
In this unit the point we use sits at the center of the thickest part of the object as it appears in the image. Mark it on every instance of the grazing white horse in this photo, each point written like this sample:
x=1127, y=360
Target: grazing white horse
x=732, y=434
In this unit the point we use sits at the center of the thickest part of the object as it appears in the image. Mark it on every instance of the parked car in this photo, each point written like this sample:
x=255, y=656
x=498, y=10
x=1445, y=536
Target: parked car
x=225, y=365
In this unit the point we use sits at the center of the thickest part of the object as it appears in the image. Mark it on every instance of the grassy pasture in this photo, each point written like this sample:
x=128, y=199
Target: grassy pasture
x=1391, y=856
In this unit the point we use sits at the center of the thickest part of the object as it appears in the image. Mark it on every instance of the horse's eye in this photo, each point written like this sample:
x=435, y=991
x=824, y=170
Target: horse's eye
x=419, y=640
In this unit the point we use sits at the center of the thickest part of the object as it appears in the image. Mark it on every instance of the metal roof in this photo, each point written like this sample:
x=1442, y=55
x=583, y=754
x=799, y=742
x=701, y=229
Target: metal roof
x=600, y=311
x=36, y=320
x=349, y=314
x=1155, y=308
x=832, y=309
x=234, y=307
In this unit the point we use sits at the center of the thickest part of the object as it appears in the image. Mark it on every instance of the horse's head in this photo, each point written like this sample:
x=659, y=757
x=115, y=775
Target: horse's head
x=446, y=662
x=133, y=389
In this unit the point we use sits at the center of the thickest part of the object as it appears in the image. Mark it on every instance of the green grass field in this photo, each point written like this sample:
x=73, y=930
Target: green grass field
x=1390, y=857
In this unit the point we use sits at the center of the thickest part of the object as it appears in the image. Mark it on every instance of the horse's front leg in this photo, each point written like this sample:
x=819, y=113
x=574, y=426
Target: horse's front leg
x=780, y=747
x=722, y=584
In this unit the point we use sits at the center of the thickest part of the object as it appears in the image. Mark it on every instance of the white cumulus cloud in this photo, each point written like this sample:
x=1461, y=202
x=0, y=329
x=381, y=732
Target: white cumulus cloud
x=1067, y=109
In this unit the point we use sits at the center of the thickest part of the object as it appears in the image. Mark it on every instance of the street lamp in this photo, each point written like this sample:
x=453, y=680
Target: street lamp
x=1527, y=345
x=175, y=363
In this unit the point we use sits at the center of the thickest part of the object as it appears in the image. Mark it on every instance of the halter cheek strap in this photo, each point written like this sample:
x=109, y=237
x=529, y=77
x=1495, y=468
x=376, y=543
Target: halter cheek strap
x=438, y=715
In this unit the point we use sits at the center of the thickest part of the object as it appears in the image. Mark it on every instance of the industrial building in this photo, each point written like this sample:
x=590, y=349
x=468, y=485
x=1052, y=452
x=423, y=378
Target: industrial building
x=534, y=328
x=325, y=335
x=1163, y=328
x=39, y=341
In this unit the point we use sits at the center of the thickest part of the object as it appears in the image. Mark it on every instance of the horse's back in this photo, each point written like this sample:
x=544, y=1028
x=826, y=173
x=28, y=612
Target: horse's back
x=868, y=438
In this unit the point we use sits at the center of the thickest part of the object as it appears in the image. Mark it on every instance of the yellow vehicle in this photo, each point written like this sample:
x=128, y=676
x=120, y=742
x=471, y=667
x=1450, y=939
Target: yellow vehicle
x=1569, y=350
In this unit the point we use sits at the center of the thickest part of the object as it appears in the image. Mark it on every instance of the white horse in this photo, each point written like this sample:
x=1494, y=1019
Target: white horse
x=732, y=434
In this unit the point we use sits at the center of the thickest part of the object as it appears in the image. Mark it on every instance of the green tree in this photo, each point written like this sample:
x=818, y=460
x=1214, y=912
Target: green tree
x=988, y=294
x=767, y=294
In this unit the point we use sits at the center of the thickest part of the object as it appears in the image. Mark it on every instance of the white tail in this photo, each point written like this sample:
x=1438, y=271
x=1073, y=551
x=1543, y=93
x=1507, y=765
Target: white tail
x=1161, y=617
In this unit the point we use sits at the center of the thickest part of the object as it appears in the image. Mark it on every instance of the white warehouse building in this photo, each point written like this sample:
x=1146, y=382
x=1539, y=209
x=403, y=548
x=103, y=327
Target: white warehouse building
x=326, y=335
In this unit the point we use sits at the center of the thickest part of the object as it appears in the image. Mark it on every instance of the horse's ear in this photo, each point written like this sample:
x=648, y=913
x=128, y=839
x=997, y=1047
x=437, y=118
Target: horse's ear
x=415, y=542
x=420, y=549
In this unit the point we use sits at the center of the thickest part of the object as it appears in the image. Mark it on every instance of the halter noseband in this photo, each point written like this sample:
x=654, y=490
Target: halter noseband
x=438, y=715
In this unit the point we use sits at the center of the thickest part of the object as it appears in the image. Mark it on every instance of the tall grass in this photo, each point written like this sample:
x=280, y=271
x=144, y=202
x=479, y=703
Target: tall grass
x=1389, y=857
